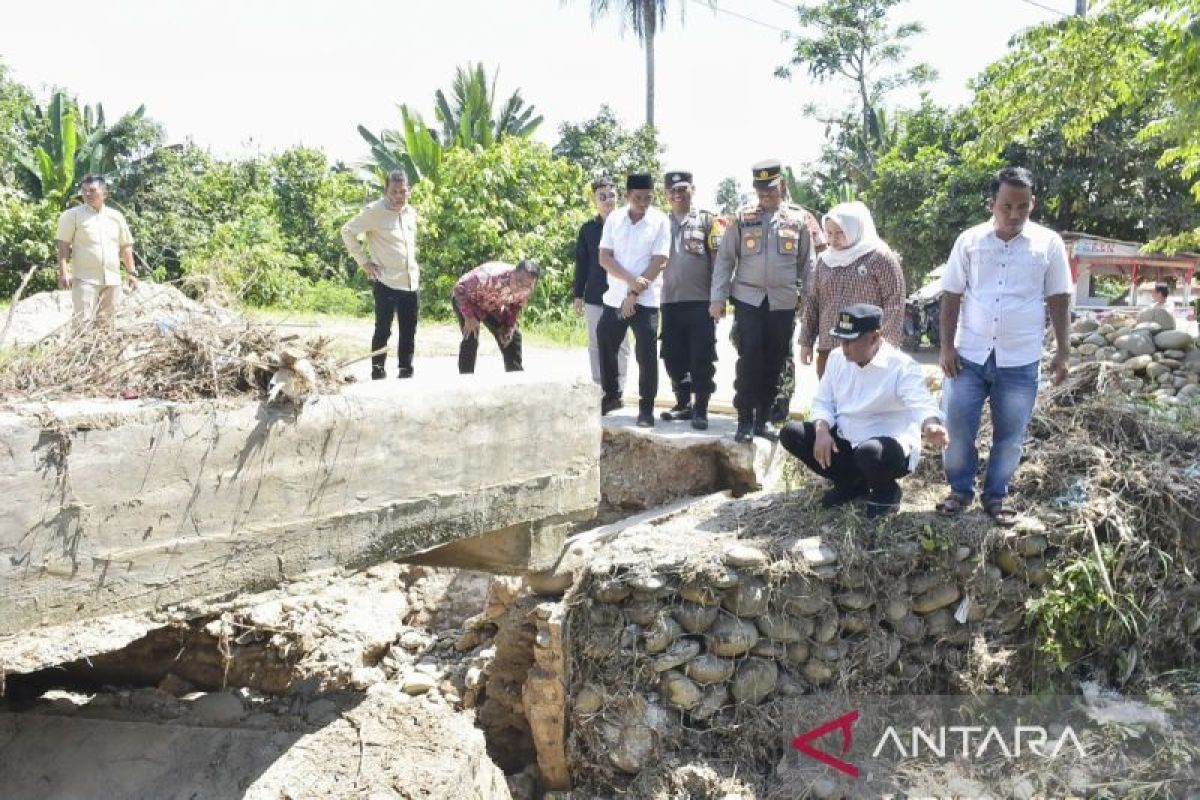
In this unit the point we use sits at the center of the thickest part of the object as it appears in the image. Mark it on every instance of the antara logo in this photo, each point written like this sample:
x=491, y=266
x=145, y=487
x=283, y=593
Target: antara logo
x=844, y=723
x=976, y=741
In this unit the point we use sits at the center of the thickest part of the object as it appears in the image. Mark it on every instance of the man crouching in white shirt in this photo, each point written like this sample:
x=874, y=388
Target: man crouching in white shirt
x=871, y=409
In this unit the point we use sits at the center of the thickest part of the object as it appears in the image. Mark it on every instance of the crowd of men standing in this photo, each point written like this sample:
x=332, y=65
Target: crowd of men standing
x=1003, y=280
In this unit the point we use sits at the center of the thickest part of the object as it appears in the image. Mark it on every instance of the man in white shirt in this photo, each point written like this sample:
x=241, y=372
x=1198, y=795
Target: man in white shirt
x=869, y=414
x=1001, y=278
x=634, y=248
x=95, y=242
x=1162, y=297
x=390, y=227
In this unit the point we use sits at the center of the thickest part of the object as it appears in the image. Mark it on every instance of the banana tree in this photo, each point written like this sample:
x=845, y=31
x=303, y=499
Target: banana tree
x=71, y=144
x=414, y=149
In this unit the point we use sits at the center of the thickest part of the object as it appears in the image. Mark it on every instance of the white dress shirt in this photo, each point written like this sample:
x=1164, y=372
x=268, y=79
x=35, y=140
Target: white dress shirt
x=887, y=397
x=1004, y=287
x=633, y=245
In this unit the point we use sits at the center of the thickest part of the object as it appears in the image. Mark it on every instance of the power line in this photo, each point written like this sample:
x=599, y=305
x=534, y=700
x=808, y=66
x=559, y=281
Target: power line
x=743, y=17
x=1046, y=8
x=788, y=6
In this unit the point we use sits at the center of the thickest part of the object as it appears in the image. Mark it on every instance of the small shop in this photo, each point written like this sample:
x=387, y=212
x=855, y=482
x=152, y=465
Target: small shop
x=1110, y=274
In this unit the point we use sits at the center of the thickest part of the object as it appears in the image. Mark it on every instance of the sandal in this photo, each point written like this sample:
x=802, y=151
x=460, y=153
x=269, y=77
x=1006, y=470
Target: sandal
x=1001, y=513
x=955, y=503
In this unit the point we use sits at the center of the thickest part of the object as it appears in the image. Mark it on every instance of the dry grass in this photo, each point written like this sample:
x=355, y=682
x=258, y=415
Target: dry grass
x=200, y=360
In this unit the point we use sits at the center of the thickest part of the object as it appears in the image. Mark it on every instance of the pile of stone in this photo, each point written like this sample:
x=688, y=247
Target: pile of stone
x=678, y=658
x=1156, y=361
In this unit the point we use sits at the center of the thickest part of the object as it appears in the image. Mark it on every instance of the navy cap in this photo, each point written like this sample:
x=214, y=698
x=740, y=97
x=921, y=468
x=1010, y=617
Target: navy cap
x=678, y=178
x=855, y=320
x=639, y=180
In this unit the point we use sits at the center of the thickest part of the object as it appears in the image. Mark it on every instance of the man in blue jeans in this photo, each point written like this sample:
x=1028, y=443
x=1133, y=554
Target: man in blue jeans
x=1001, y=277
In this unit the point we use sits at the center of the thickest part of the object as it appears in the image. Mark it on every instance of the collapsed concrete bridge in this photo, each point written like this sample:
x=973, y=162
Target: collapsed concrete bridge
x=116, y=507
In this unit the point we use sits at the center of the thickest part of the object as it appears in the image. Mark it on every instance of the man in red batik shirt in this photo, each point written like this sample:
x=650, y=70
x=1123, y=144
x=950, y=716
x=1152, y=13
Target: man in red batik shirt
x=494, y=293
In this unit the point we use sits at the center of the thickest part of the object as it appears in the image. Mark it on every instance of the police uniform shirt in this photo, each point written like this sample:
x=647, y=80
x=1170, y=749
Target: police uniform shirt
x=772, y=251
x=688, y=274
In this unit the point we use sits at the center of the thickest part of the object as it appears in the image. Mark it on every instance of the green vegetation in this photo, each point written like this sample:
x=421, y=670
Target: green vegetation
x=1105, y=110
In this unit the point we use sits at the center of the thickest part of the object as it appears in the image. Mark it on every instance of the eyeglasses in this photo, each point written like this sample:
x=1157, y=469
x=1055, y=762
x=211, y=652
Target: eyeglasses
x=602, y=196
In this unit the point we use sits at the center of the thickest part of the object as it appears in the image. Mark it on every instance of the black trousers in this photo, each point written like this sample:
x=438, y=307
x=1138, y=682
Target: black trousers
x=468, y=348
x=689, y=347
x=763, y=341
x=402, y=305
x=876, y=462
x=611, y=332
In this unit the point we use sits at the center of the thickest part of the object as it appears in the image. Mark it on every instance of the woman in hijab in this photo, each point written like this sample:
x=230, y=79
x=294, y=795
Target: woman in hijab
x=857, y=267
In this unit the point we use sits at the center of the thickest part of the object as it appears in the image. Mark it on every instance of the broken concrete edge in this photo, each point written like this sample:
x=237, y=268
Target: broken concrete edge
x=135, y=506
x=59, y=644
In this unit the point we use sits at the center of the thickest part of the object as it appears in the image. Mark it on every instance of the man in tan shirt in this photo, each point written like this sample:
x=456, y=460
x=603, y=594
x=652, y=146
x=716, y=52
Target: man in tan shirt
x=95, y=240
x=389, y=226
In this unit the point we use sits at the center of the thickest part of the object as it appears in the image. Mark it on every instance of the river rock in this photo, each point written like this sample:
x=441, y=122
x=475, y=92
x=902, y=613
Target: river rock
x=641, y=612
x=700, y=593
x=744, y=555
x=781, y=628
x=680, y=691
x=714, y=699
x=937, y=597
x=1154, y=371
x=1160, y=316
x=1084, y=325
x=1173, y=340
x=1137, y=363
x=678, y=654
x=755, y=680
x=818, y=672
x=747, y=599
x=730, y=636
x=709, y=669
x=798, y=652
x=1096, y=339
x=694, y=617
x=1136, y=343
x=589, y=699
x=660, y=635
x=1087, y=349
x=1190, y=393
x=610, y=591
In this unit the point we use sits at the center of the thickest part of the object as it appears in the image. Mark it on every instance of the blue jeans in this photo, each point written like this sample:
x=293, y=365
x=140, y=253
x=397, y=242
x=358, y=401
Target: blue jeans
x=1012, y=391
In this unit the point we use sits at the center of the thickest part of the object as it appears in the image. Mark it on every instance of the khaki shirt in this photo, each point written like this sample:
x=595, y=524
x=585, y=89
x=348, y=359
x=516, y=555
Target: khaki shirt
x=687, y=276
x=763, y=254
x=96, y=239
x=392, y=240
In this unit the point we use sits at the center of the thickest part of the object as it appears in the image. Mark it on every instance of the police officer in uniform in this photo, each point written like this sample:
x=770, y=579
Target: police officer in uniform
x=782, y=405
x=689, y=332
x=763, y=257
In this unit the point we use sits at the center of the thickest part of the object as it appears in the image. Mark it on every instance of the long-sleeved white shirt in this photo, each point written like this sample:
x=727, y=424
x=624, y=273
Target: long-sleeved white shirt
x=887, y=397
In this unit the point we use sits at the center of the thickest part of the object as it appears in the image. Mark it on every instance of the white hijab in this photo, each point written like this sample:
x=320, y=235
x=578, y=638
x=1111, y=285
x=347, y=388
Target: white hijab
x=855, y=220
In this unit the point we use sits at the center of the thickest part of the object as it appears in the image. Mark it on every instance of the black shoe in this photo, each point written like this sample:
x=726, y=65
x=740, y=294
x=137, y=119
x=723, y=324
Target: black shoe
x=840, y=495
x=762, y=426
x=780, y=411
x=745, y=429
x=645, y=419
x=611, y=404
x=679, y=412
x=882, y=503
x=405, y=372
x=700, y=420
x=378, y=373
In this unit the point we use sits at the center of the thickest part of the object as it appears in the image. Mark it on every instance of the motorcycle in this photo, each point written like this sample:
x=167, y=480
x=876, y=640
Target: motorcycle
x=922, y=314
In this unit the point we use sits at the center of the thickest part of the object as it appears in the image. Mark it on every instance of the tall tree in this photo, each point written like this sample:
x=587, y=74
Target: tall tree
x=645, y=18
x=601, y=146
x=730, y=196
x=853, y=41
x=1079, y=73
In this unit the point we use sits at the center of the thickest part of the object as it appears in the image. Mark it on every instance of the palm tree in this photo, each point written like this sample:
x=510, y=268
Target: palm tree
x=467, y=117
x=470, y=119
x=645, y=18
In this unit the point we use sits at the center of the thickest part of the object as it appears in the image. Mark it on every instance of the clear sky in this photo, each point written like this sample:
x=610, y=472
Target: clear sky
x=243, y=76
